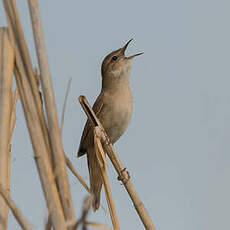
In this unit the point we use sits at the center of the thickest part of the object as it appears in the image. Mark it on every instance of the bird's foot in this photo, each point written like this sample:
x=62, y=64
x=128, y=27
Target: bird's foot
x=124, y=176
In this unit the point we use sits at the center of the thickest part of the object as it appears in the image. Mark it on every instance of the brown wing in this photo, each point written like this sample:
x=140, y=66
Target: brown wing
x=86, y=132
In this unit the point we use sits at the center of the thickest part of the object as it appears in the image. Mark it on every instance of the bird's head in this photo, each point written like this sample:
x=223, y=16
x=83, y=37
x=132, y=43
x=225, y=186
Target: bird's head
x=116, y=64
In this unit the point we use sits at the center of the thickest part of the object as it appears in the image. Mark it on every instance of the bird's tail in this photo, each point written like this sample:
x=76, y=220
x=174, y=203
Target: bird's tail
x=95, y=177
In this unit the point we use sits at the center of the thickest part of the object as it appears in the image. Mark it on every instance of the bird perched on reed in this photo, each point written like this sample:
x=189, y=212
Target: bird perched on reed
x=113, y=108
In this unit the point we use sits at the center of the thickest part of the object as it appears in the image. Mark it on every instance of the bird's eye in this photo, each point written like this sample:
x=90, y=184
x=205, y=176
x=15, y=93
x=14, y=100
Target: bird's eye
x=114, y=58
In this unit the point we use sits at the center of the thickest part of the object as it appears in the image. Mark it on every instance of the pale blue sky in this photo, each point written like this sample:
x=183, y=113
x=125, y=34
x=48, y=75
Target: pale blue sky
x=177, y=146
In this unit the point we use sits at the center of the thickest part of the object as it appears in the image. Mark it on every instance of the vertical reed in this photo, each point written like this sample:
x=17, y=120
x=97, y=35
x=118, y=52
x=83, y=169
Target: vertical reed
x=50, y=105
x=6, y=74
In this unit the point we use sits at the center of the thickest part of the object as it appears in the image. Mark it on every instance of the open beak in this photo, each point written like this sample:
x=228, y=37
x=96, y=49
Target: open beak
x=130, y=57
x=125, y=47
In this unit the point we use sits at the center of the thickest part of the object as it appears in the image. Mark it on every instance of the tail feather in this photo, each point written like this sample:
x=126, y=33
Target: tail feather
x=95, y=178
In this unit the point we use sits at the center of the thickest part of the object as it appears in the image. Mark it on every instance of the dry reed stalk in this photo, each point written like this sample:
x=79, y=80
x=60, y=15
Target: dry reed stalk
x=85, y=210
x=68, y=161
x=48, y=225
x=45, y=129
x=14, y=99
x=123, y=175
x=80, y=179
x=103, y=164
x=6, y=75
x=35, y=119
x=50, y=105
x=76, y=174
x=16, y=212
x=65, y=104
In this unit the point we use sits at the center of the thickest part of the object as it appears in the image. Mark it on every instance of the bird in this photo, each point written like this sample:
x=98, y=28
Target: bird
x=113, y=107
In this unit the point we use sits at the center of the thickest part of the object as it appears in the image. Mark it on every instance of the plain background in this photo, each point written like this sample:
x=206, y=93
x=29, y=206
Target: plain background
x=177, y=147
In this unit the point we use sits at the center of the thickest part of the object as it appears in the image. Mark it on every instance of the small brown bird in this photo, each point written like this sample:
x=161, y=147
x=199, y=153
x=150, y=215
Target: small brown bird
x=113, y=108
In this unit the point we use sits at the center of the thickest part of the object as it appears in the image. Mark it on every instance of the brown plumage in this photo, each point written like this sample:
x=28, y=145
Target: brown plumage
x=113, y=108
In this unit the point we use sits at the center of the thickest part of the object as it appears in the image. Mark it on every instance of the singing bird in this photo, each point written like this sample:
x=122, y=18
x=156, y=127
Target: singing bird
x=113, y=108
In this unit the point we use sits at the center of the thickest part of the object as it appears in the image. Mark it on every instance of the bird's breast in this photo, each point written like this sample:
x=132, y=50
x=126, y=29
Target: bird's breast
x=117, y=113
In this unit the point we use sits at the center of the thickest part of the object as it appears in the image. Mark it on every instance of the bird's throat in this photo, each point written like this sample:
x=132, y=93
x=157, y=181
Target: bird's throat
x=115, y=84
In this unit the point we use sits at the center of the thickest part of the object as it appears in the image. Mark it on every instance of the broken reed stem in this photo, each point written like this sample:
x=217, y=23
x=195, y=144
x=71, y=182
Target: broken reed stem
x=123, y=175
x=100, y=154
x=35, y=118
x=50, y=105
x=85, y=210
x=16, y=212
x=6, y=75
x=64, y=105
